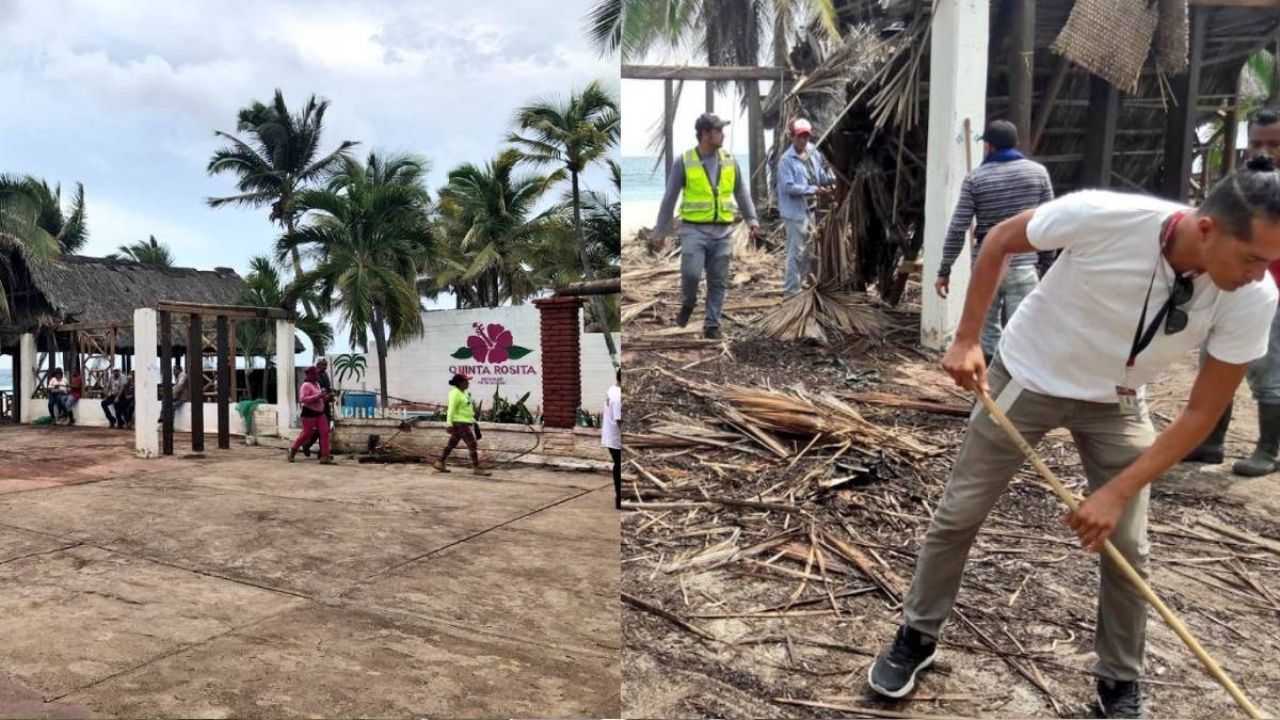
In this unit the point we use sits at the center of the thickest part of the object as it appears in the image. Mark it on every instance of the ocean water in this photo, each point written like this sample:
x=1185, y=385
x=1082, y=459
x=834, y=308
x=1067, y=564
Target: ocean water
x=6, y=379
x=644, y=178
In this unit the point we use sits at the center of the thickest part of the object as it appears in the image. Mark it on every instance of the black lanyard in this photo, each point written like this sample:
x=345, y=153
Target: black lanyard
x=1142, y=339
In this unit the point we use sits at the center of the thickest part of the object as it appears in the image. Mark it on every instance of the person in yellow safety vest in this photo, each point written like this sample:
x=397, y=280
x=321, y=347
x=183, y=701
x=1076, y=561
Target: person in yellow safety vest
x=716, y=194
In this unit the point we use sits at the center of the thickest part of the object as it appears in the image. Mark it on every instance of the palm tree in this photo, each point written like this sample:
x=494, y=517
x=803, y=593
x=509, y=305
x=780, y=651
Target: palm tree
x=149, y=252
x=369, y=236
x=68, y=227
x=20, y=235
x=574, y=133
x=487, y=212
x=726, y=32
x=277, y=161
x=263, y=288
x=558, y=260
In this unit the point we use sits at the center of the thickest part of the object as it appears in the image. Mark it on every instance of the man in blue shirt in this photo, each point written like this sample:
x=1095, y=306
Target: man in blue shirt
x=802, y=177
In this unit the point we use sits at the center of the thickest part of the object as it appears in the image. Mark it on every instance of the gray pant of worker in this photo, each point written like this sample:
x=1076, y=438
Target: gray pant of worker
x=699, y=253
x=799, y=254
x=1016, y=285
x=1108, y=441
x=1264, y=373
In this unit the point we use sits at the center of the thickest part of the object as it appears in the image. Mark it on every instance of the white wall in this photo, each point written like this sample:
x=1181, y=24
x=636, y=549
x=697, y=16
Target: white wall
x=88, y=413
x=420, y=371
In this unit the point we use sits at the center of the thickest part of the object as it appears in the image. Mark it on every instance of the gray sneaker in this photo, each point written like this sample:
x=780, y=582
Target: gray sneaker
x=1119, y=698
x=894, y=673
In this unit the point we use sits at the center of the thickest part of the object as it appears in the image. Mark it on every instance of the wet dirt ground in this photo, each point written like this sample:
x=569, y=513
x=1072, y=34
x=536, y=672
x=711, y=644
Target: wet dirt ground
x=239, y=585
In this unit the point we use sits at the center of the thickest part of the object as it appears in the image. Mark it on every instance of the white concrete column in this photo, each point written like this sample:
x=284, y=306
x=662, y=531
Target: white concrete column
x=957, y=91
x=146, y=377
x=31, y=409
x=286, y=391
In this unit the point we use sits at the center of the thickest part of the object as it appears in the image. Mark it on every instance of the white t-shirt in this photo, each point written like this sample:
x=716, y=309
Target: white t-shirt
x=610, y=429
x=1072, y=335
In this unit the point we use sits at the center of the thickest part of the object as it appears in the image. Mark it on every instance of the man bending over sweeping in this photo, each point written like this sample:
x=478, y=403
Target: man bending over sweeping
x=1140, y=282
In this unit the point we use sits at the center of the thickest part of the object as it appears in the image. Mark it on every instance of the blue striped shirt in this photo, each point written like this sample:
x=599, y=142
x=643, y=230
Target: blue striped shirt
x=995, y=192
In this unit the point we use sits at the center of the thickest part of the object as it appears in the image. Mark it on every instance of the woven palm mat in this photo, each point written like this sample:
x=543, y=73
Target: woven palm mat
x=1109, y=38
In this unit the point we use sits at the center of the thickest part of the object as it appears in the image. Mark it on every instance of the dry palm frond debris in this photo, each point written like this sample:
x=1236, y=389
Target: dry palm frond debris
x=777, y=493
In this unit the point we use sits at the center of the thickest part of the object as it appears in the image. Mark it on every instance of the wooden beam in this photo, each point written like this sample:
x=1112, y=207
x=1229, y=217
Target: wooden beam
x=238, y=312
x=195, y=380
x=668, y=125
x=1050, y=97
x=1233, y=3
x=610, y=286
x=1176, y=178
x=143, y=394
x=224, y=383
x=755, y=144
x=1100, y=133
x=691, y=72
x=1022, y=50
x=95, y=326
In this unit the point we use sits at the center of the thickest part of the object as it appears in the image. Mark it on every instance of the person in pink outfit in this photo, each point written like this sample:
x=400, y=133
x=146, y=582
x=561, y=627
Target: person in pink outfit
x=311, y=398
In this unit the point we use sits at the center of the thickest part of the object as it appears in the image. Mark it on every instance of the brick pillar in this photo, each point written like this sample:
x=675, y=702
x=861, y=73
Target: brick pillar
x=561, y=360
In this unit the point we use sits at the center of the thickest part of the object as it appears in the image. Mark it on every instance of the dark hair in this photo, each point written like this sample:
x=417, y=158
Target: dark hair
x=618, y=375
x=1252, y=191
x=1264, y=116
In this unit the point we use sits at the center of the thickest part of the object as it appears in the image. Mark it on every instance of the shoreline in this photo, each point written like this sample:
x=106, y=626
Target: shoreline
x=637, y=214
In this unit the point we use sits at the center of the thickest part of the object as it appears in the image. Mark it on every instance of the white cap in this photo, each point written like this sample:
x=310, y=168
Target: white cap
x=801, y=127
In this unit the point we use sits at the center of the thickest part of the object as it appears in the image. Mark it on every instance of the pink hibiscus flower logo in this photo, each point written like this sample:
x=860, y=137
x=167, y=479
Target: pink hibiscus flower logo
x=490, y=343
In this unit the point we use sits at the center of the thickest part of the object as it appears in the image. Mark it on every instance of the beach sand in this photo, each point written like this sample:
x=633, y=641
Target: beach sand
x=638, y=214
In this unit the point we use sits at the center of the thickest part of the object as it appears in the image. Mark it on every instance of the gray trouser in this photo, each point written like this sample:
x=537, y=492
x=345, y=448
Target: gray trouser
x=1264, y=373
x=1108, y=441
x=799, y=254
x=698, y=252
x=1016, y=285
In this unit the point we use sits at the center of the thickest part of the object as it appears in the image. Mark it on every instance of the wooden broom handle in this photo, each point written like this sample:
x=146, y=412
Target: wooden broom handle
x=1145, y=589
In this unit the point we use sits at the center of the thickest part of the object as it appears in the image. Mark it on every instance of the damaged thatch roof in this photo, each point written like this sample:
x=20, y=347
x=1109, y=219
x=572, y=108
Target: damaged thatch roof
x=878, y=115
x=81, y=289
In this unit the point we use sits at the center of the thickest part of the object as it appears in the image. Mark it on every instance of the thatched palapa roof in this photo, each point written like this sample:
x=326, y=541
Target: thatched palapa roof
x=81, y=289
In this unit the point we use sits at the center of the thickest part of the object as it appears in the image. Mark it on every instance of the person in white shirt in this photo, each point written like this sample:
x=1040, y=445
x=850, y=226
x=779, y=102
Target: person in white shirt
x=1140, y=282
x=611, y=434
x=111, y=399
x=57, y=388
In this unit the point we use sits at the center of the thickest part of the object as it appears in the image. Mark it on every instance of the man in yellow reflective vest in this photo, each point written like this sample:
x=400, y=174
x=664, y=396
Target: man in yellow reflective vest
x=716, y=195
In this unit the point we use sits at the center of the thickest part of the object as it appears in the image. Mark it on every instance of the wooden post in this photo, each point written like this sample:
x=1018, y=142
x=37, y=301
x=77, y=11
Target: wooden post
x=755, y=145
x=143, y=394
x=1229, y=139
x=1050, y=97
x=1100, y=133
x=1181, y=125
x=668, y=125
x=224, y=383
x=1022, y=49
x=710, y=89
x=235, y=376
x=195, y=380
x=957, y=93
x=17, y=384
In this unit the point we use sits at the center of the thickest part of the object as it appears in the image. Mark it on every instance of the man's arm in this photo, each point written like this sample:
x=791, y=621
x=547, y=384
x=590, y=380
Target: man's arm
x=1046, y=257
x=666, y=212
x=960, y=221
x=793, y=183
x=742, y=193
x=1215, y=385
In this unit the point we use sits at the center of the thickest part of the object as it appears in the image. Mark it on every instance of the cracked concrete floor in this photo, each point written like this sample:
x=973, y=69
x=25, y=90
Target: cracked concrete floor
x=239, y=585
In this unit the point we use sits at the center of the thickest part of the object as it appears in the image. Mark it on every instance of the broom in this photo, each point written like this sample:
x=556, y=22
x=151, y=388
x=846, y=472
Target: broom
x=1114, y=555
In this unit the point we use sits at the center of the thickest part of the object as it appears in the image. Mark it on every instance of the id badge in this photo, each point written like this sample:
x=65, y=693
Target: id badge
x=1128, y=398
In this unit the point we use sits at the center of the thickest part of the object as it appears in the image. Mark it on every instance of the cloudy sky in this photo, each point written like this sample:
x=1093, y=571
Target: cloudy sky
x=124, y=95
